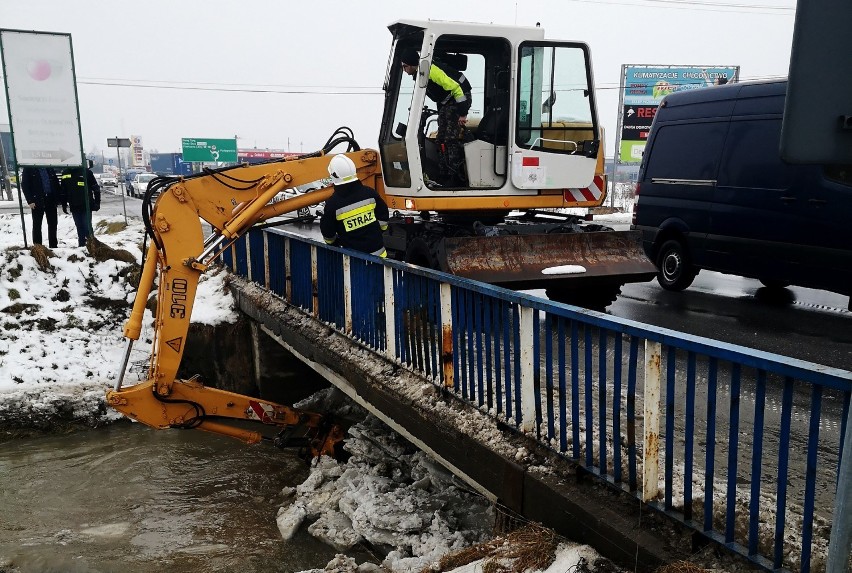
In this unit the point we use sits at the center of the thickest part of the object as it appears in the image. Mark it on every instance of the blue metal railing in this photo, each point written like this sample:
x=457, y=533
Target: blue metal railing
x=739, y=434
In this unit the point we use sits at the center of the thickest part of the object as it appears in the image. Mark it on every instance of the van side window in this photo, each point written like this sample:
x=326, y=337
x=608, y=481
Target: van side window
x=752, y=158
x=688, y=151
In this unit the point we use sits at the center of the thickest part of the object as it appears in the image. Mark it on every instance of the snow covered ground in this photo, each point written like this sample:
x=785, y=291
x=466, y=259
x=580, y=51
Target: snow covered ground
x=61, y=320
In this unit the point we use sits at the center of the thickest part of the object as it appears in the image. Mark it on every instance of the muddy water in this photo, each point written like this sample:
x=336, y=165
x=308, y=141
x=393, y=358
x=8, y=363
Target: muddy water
x=126, y=498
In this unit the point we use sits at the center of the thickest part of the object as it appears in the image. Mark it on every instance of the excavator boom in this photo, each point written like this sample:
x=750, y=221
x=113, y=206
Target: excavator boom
x=231, y=200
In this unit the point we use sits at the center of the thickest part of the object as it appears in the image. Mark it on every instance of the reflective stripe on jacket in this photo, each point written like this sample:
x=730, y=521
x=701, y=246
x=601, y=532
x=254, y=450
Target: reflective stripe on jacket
x=446, y=84
x=354, y=218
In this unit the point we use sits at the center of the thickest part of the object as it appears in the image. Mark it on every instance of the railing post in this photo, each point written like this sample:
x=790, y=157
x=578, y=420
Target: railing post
x=314, y=282
x=266, y=281
x=347, y=294
x=390, y=314
x=651, y=450
x=840, y=542
x=288, y=280
x=447, y=335
x=525, y=355
x=248, y=257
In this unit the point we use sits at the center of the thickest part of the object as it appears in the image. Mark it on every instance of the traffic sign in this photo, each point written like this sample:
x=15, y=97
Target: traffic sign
x=118, y=142
x=209, y=150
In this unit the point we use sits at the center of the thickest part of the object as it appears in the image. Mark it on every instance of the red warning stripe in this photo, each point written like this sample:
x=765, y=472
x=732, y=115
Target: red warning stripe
x=591, y=193
x=258, y=410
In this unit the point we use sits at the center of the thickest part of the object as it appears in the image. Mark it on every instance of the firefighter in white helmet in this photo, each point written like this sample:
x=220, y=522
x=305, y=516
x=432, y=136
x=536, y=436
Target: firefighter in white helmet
x=355, y=216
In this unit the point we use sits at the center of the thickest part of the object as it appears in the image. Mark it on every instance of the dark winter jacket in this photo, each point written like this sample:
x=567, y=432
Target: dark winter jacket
x=74, y=189
x=32, y=184
x=354, y=218
x=447, y=85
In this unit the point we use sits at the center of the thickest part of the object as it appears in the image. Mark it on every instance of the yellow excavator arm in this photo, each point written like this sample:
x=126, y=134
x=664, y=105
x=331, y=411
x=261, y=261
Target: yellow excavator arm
x=231, y=200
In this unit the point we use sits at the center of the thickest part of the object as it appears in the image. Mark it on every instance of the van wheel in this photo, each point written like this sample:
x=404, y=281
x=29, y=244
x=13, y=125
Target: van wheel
x=774, y=284
x=675, y=270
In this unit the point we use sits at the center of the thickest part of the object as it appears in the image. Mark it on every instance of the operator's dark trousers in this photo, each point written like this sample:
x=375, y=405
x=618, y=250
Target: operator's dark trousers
x=49, y=213
x=450, y=151
x=83, y=224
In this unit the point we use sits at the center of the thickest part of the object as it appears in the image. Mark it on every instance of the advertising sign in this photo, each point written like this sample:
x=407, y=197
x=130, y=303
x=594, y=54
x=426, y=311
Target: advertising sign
x=644, y=87
x=209, y=150
x=137, y=157
x=41, y=90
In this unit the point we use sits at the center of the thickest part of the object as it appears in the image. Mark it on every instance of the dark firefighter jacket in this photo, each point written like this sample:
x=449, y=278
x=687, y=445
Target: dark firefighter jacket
x=74, y=189
x=447, y=85
x=34, y=190
x=354, y=218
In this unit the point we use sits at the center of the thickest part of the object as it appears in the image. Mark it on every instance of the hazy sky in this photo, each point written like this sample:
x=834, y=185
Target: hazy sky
x=281, y=74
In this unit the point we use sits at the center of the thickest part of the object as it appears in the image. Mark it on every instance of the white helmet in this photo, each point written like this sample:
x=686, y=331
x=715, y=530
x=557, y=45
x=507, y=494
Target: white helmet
x=342, y=170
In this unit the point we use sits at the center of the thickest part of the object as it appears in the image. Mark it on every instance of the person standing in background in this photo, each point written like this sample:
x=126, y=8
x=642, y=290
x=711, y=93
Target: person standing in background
x=74, y=183
x=41, y=190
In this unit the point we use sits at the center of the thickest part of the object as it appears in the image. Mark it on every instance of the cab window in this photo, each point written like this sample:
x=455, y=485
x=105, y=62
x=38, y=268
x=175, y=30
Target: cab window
x=555, y=104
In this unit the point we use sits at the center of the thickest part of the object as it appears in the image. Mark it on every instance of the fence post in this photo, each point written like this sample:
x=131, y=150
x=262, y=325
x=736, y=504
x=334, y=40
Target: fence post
x=840, y=542
x=447, y=335
x=390, y=314
x=347, y=294
x=651, y=450
x=525, y=355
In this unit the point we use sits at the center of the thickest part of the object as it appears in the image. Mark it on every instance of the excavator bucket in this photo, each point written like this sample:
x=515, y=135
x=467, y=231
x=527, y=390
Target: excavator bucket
x=557, y=260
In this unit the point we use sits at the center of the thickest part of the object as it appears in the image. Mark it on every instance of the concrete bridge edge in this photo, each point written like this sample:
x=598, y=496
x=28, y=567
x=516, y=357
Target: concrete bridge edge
x=577, y=507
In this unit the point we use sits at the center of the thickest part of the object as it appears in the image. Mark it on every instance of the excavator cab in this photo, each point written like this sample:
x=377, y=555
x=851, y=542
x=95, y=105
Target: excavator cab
x=532, y=127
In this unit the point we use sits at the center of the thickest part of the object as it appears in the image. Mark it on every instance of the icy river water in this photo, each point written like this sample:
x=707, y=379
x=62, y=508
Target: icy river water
x=130, y=499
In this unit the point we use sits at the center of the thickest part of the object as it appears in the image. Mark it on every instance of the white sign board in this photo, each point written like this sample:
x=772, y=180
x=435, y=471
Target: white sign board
x=42, y=97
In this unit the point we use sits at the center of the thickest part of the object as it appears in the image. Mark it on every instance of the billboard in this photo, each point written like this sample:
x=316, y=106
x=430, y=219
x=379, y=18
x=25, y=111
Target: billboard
x=41, y=91
x=642, y=89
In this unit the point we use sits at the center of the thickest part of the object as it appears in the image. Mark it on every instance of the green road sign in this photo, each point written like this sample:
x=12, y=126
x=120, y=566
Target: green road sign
x=209, y=150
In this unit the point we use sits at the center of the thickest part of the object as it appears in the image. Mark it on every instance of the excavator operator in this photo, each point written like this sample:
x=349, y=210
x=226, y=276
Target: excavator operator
x=450, y=90
x=354, y=216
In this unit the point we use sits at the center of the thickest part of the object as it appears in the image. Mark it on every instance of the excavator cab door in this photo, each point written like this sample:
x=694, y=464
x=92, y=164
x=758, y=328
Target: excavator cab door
x=556, y=128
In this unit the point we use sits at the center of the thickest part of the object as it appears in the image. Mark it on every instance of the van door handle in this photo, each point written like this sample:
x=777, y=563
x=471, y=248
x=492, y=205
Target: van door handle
x=817, y=201
x=787, y=199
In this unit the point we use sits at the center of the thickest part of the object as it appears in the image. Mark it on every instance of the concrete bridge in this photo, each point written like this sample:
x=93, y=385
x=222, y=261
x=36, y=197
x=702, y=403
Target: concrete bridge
x=640, y=441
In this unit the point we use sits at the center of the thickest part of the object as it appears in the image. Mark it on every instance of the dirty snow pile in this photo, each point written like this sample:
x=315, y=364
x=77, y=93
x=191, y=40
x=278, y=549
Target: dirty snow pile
x=390, y=496
x=61, y=324
x=397, y=500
